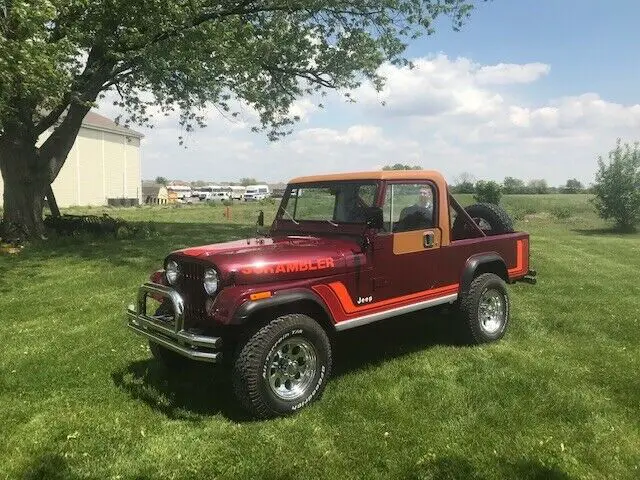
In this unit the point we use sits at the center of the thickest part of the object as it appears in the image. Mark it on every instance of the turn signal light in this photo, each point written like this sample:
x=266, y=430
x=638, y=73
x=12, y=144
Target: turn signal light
x=259, y=295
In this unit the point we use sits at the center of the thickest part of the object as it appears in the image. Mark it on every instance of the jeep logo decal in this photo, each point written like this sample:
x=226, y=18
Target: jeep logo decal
x=289, y=267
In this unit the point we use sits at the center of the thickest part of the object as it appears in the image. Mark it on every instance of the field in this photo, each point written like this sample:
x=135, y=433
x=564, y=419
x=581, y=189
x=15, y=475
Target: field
x=557, y=398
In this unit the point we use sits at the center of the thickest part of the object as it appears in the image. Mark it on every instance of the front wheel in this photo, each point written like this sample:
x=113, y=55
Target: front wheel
x=484, y=309
x=282, y=367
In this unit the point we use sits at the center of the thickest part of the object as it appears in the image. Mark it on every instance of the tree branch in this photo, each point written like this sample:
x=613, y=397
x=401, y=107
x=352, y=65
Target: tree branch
x=81, y=84
x=53, y=115
x=240, y=9
x=310, y=75
x=55, y=149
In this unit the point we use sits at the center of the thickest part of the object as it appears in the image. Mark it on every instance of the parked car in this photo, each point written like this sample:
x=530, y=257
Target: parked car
x=354, y=249
x=219, y=196
x=256, y=192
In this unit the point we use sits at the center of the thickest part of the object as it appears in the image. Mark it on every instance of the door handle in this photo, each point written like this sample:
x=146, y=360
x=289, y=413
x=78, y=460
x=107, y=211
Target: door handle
x=428, y=239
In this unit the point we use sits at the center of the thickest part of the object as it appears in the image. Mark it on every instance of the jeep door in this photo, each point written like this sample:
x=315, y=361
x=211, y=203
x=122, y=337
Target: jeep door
x=405, y=254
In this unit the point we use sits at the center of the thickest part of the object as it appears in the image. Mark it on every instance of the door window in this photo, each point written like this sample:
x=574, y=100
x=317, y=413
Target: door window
x=409, y=206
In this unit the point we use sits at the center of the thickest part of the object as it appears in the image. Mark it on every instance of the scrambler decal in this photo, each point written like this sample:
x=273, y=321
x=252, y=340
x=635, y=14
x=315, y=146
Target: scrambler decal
x=289, y=267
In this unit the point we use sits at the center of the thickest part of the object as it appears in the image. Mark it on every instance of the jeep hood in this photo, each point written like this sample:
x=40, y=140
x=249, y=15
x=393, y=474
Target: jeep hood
x=258, y=260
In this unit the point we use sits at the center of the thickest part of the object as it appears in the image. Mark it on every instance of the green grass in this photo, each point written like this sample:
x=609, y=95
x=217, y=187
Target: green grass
x=557, y=398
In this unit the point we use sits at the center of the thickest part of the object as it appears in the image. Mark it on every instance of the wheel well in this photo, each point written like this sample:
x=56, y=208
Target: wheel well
x=494, y=266
x=263, y=316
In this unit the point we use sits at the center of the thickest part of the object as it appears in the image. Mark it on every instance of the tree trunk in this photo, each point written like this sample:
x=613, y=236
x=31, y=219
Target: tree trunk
x=26, y=180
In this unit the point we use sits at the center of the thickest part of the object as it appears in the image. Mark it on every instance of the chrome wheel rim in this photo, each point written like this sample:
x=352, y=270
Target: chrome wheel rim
x=491, y=311
x=292, y=367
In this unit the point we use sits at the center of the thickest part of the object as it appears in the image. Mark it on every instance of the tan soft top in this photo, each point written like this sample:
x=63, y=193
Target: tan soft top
x=375, y=175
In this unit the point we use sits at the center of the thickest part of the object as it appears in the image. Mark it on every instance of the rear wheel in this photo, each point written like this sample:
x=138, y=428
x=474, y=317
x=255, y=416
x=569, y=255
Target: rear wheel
x=484, y=309
x=283, y=367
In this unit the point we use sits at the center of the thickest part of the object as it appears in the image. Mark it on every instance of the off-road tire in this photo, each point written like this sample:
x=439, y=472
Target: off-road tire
x=253, y=365
x=476, y=328
x=169, y=358
x=494, y=216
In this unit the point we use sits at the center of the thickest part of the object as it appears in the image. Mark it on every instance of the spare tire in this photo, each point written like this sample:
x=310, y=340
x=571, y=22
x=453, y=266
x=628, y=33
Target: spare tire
x=492, y=220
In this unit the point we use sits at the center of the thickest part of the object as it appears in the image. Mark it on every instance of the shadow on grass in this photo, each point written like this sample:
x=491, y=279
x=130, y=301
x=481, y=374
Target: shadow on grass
x=370, y=345
x=593, y=232
x=48, y=466
x=204, y=390
x=200, y=390
x=456, y=467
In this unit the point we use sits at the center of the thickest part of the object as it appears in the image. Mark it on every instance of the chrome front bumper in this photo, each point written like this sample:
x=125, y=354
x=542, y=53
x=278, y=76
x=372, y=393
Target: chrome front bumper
x=171, y=335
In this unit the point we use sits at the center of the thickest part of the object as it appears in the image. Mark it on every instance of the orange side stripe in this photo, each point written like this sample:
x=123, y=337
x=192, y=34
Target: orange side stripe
x=519, y=258
x=347, y=304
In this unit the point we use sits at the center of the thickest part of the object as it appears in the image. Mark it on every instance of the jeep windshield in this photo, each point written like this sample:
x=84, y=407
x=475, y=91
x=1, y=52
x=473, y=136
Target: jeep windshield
x=325, y=206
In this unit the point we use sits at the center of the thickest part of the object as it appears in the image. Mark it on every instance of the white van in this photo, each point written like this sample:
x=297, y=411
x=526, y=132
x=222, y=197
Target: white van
x=237, y=192
x=209, y=192
x=256, y=192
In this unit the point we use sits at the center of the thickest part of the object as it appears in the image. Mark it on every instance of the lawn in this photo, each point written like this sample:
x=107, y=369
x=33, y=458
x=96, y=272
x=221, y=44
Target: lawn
x=557, y=398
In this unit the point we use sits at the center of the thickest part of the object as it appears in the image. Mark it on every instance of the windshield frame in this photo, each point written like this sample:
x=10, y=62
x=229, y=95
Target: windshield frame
x=283, y=221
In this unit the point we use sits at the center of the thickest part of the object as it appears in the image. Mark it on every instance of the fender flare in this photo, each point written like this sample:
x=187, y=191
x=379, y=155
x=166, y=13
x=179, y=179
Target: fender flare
x=249, y=307
x=476, y=261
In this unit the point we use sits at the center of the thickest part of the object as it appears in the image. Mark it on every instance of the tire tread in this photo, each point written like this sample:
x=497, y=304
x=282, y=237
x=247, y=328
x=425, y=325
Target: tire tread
x=469, y=307
x=247, y=365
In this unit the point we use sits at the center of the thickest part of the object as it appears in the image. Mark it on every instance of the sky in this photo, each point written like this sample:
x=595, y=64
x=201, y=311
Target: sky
x=528, y=89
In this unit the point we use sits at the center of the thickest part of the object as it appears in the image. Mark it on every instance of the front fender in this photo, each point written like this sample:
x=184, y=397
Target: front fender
x=278, y=299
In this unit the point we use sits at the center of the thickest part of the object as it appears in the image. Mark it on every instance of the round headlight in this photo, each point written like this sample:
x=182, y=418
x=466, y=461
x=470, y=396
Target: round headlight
x=210, y=281
x=172, y=272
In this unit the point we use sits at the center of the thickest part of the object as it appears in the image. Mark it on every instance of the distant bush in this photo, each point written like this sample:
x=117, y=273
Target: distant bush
x=617, y=186
x=561, y=212
x=537, y=186
x=487, y=192
x=572, y=186
x=512, y=185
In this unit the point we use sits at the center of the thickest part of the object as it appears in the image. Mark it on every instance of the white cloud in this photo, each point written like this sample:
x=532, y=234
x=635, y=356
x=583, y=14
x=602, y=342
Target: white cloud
x=447, y=114
x=506, y=73
x=302, y=108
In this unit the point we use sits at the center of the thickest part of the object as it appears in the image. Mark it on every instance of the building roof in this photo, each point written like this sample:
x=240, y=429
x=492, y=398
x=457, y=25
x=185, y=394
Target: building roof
x=95, y=120
x=152, y=189
x=373, y=175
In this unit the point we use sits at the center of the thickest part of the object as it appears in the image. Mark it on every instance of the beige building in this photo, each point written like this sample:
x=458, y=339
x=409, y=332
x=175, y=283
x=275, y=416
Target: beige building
x=154, y=193
x=102, y=167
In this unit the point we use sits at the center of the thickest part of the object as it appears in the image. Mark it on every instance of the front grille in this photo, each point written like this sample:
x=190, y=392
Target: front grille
x=192, y=290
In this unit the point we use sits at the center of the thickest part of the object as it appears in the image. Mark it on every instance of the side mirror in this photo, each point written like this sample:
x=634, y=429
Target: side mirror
x=261, y=219
x=374, y=217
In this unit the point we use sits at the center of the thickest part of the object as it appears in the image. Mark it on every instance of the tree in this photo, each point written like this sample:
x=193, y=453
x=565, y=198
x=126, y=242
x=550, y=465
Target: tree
x=538, y=186
x=162, y=181
x=248, y=181
x=400, y=166
x=58, y=57
x=512, y=185
x=488, y=192
x=617, y=186
x=463, y=183
x=572, y=186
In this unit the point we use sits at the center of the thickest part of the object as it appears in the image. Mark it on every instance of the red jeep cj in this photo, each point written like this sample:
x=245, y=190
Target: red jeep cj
x=344, y=250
